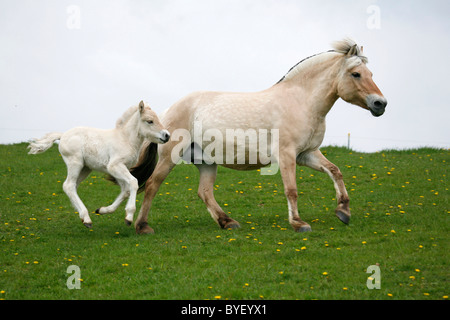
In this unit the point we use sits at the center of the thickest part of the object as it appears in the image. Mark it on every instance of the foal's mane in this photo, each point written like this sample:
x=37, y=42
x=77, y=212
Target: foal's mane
x=344, y=47
x=126, y=116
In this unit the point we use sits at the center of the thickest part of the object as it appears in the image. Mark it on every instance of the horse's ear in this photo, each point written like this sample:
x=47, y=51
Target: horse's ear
x=141, y=106
x=362, y=49
x=353, y=50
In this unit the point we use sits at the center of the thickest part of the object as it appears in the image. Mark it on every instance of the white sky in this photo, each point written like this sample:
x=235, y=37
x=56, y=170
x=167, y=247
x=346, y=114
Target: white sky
x=59, y=72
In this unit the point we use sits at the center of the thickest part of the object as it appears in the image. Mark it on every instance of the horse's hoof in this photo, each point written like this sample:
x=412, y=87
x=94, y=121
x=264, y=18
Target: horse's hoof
x=143, y=228
x=232, y=225
x=304, y=228
x=128, y=223
x=98, y=210
x=344, y=217
x=88, y=225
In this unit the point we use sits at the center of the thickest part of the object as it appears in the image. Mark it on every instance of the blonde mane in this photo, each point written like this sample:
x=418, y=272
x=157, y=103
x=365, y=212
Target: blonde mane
x=347, y=47
x=126, y=116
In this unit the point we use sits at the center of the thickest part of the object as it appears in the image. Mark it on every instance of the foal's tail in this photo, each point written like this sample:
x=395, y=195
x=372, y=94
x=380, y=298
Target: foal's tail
x=144, y=167
x=41, y=145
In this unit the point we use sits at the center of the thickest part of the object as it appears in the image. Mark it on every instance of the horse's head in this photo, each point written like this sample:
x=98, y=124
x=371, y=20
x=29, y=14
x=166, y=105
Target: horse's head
x=355, y=84
x=150, y=127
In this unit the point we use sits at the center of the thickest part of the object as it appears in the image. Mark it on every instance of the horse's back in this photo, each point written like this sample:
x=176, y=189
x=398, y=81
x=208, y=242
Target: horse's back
x=216, y=109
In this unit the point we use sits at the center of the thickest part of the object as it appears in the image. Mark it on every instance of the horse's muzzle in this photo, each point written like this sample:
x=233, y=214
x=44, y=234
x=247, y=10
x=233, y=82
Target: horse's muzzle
x=376, y=104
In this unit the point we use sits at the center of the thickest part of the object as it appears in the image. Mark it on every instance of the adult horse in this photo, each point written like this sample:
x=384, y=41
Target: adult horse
x=296, y=106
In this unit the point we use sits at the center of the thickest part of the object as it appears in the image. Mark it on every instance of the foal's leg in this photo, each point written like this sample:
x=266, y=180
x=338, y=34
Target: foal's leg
x=122, y=196
x=288, y=174
x=316, y=160
x=129, y=186
x=162, y=170
x=208, y=175
x=76, y=172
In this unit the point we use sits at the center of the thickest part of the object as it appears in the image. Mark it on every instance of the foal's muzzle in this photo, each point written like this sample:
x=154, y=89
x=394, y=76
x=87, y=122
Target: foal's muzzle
x=164, y=136
x=376, y=104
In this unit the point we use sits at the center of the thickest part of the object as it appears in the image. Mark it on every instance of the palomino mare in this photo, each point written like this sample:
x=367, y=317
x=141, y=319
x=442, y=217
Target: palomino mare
x=296, y=106
x=111, y=151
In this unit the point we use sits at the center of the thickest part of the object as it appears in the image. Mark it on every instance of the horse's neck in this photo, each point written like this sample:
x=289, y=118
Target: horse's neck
x=317, y=86
x=130, y=131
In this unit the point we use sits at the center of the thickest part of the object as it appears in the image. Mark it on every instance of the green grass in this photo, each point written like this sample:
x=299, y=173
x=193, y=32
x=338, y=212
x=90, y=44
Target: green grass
x=399, y=202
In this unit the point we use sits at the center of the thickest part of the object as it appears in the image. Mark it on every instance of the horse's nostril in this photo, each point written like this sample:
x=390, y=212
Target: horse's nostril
x=380, y=103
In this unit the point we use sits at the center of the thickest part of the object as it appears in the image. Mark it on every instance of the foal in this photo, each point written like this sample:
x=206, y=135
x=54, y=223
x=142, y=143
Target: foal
x=111, y=151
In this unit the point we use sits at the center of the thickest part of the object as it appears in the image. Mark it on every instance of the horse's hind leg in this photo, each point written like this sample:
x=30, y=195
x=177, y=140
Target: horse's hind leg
x=317, y=161
x=162, y=170
x=208, y=175
x=75, y=174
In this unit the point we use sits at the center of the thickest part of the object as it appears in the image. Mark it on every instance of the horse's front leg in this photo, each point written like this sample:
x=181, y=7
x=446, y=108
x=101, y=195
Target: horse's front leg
x=288, y=173
x=317, y=161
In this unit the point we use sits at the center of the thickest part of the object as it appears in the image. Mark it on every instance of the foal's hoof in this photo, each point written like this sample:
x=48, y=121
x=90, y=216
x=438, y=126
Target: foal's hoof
x=304, y=228
x=143, y=228
x=344, y=217
x=128, y=223
x=88, y=225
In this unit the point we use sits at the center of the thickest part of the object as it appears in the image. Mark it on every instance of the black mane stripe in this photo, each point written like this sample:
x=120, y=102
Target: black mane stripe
x=301, y=62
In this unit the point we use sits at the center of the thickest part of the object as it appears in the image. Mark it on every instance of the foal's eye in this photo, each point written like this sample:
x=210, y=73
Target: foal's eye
x=356, y=75
x=150, y=122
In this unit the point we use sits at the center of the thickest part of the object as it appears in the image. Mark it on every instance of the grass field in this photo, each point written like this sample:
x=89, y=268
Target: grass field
x=399, y=202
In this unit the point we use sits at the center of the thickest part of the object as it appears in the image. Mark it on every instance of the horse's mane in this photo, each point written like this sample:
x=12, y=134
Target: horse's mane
x=126, y=116
x=344, y=47
x=348, y=45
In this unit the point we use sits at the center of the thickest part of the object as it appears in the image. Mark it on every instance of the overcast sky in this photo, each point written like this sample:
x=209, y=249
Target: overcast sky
x=83, y=63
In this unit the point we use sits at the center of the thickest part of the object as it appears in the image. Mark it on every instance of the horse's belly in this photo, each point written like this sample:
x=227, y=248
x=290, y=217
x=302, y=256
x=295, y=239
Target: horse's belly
x=240, y=153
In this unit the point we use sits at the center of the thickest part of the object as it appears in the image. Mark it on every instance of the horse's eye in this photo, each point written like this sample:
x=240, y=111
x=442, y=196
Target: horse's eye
x=356, y=75
x=150, y=122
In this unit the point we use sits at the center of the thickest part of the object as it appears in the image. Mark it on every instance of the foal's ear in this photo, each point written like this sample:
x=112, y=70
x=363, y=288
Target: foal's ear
x=141, y=106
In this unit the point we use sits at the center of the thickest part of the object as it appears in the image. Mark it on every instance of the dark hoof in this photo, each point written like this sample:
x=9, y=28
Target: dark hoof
x=97, y=211
x=128, y=223
x=143, y=228
x=232, y=224
x=304, y=228
x=88, y=225
x=344, y=217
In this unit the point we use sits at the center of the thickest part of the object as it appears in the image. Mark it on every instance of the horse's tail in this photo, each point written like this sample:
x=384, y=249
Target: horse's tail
x=41, y=145
x=144, y=167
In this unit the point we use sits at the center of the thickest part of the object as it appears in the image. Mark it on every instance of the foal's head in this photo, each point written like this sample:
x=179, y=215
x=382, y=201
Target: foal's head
x=149, y=125
x=355, y=84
